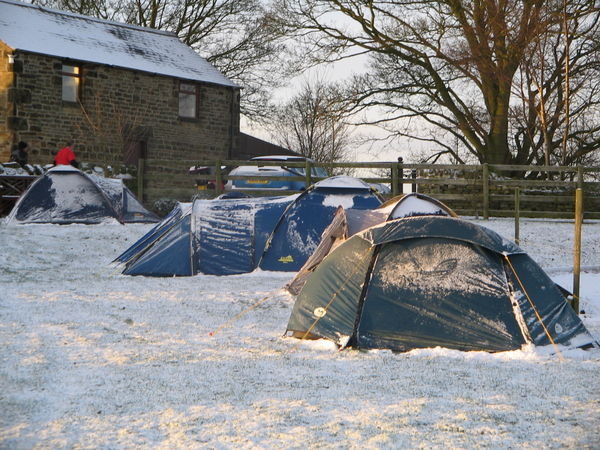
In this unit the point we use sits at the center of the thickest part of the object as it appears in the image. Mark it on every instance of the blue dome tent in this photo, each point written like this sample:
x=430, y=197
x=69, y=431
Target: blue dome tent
x=298, y=232
x=66, y=195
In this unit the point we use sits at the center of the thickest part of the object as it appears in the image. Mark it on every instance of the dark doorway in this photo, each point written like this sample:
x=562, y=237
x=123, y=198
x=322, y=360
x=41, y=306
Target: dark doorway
x=133, y=152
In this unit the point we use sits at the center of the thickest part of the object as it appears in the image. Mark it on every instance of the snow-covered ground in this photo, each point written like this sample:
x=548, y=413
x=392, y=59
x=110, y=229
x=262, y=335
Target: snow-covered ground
x=90, y=358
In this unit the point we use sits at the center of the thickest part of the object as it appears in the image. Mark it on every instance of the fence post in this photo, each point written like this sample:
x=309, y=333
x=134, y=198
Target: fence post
x=580, y=177
x=400, y=176
x=307, y=174
x=413, y=174
x=577, y=252
x=485, y=179
x=517, y=214
x=140, y=179
x=394, y=179
x=218, y=178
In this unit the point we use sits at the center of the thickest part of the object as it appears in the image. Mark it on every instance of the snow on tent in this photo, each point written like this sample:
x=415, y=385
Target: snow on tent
x=347, y=223
x=227, y=236
x=298, y=231
x=224, y=236
x=432, y=281
x=65, y=195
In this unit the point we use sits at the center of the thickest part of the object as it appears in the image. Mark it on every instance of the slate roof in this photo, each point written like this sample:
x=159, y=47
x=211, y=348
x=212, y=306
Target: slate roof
x=35, y=29
x=251, y=147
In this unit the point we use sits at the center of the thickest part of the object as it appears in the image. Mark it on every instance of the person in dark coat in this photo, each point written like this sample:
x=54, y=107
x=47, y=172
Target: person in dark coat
x=20, y=154
x=66, y=156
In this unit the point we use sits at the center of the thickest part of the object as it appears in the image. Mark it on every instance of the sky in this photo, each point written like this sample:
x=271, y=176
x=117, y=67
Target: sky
x=378, y=149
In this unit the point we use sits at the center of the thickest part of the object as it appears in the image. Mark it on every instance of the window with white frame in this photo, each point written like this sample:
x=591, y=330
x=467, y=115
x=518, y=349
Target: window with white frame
x=188, y=100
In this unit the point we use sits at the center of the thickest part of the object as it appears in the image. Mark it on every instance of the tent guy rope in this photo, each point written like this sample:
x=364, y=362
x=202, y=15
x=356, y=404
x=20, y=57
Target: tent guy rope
x=537, y=314
x=242, y=313
x=333, y=297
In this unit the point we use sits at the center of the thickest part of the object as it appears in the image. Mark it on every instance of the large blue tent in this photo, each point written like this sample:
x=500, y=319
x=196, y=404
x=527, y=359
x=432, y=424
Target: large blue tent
x=228, y=236
x=217, y=237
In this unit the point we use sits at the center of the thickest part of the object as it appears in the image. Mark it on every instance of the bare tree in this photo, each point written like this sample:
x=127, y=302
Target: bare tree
x=551, y=114
x=449, y=63
x=103, y=9
x=312, y=124
x=237, y=36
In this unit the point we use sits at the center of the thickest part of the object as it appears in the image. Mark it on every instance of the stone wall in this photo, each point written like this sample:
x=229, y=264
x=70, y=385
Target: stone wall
x=118, y=109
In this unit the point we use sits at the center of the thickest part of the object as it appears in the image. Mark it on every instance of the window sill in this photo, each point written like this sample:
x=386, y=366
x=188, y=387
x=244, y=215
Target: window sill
x=188, y=119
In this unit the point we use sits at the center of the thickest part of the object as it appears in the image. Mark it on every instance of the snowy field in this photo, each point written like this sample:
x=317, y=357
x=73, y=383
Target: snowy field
x=90, y=358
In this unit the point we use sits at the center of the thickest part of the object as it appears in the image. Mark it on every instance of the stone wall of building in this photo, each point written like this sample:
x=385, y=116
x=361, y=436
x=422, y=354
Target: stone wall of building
x=120, y=112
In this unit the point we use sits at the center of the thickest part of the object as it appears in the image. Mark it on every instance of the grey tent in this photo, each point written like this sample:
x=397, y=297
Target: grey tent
x=432, y=281
x=65, y=195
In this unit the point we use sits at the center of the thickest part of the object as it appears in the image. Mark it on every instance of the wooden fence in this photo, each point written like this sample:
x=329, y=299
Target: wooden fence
x=11, y=188
x=474, y=190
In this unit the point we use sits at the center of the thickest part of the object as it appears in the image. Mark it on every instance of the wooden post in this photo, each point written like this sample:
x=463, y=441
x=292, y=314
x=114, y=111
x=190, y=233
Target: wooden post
x=400, y=176
x=577, y=252
x=140, y=180
x=517, y=214
x=307, y=174
x=485, y=179
x=218, y=178
x=394, y=179
x=580, y=177
x=413, y=174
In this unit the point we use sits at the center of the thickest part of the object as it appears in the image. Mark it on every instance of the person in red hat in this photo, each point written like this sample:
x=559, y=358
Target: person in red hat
x=66, y=156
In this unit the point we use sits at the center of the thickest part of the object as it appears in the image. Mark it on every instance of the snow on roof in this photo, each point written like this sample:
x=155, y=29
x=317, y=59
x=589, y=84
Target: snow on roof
x=280, y=158
x=35, y=29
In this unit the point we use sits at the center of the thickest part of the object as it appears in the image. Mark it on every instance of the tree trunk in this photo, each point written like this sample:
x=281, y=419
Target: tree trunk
x=497, y=150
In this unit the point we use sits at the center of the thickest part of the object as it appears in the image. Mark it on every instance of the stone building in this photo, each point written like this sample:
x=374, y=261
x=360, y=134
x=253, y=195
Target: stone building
x=118, y=92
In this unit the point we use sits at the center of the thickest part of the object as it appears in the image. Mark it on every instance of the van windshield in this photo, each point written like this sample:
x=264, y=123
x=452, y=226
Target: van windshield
x=314, y=171
x=298, y=171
